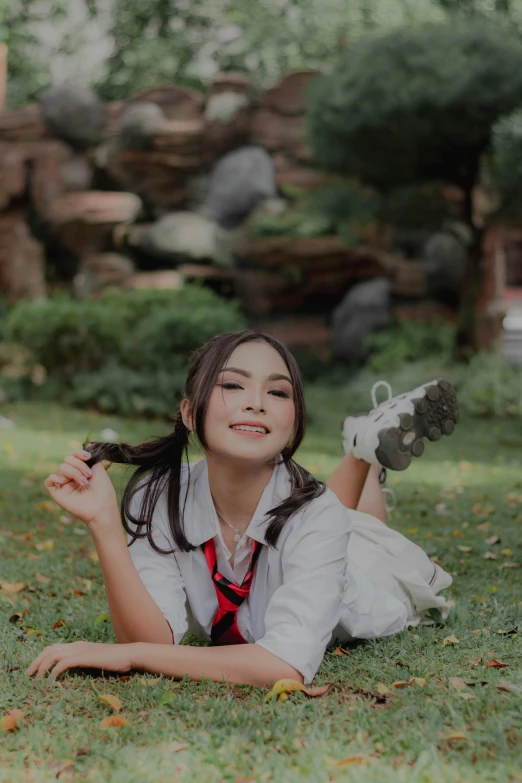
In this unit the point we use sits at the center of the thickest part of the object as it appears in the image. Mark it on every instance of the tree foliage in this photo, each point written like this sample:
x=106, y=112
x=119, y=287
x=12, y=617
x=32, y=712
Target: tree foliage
x=415, y=104
x=506, y=161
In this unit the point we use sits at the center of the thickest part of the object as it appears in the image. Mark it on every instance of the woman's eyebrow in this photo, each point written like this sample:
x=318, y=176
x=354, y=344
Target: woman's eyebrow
x=275, y=376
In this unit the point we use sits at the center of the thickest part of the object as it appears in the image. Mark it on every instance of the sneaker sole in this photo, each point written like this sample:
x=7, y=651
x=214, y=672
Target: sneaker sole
x=435, y=415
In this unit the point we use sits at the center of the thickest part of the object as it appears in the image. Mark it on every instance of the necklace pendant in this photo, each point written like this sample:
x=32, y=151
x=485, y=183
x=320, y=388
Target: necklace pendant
x=237, y=537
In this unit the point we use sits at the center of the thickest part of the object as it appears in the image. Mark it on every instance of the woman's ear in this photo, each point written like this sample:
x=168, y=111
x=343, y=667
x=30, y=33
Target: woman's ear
x=186, y=414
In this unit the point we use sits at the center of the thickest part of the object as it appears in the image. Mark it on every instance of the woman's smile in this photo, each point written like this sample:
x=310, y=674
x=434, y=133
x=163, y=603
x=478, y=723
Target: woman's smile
x=250, y=429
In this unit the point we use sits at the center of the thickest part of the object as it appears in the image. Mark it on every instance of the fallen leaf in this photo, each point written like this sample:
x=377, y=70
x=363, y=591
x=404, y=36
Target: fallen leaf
x=59, y=765
x=454, y=736
x=339, y=651
x=451, y=640
x=510, y=565
x=12, y=587
x=458, y=534
x=34, y=632
x=509, y=687
x=113, y=720
x=78, y=592
x=484, y=527
x=111, y=700
x=464, y=548
x=281, y=688
x=489, y=556
x=87, y=583
x=151, y=683
x=43, y=579
x=511, y=632
x=176, y=746
x=319, y=690
x=101, y=618
x=476, y=662
x=59, y=624
x=350, y=761
x=420, y=681
x=465, y=695
x=94, y=556
x=457, y=683
x=401, y=683
x=47, y=505
x=494, y=664
x=18, y=617
x=382, y=688
x=65, y=520
x=45, y=546
x=12, y=721
x=492, y=540
x=506, y=552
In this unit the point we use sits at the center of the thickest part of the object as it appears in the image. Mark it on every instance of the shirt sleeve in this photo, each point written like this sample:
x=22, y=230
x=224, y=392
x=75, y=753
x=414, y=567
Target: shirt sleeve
x=305, y=609
x=160, y=573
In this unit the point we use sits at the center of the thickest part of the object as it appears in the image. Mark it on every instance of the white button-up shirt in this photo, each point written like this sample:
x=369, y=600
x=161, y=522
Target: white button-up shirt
x=305, y=594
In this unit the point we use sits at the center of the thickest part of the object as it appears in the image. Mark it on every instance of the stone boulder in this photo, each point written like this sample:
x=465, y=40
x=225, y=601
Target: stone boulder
x=73, y=113
x=444, y=260
x=100, y=270
x=227, y=114
x=239, y=182
x=364, y=309
x=84, y=222
x=22, y=263
x=139, y=123
x=176, y=237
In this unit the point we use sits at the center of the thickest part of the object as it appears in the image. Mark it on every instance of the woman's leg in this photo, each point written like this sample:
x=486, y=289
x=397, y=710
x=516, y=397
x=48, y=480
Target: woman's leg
x=356, y=484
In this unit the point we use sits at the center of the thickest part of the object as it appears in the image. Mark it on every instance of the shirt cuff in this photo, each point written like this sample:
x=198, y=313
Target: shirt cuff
x=298, y=648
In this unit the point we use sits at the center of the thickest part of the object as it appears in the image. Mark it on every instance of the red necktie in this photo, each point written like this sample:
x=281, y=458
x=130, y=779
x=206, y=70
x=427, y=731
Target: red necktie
x=230, y=597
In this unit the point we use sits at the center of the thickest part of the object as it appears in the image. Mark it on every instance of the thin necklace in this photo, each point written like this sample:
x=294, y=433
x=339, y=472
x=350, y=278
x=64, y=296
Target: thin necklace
x=238, y=535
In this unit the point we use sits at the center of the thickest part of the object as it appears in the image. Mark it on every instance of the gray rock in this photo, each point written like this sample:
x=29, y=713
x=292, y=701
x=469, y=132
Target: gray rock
x=365, y=309
x=239, y=182
x=73, y=113
x=225, y=106
x=179, y=236
x=139, y=122
x=444, y=259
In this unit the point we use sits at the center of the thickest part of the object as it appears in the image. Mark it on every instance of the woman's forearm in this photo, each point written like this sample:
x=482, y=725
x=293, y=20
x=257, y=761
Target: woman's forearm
x=134, y=614
x=244, y=664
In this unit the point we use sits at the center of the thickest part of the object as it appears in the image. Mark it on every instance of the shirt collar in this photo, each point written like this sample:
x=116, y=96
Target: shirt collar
x=200, y=518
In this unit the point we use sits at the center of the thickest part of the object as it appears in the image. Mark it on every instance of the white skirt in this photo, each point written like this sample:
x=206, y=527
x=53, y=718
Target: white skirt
x=391, y=582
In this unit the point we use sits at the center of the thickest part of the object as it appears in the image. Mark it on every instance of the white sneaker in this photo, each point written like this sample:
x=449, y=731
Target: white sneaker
x=391, y=434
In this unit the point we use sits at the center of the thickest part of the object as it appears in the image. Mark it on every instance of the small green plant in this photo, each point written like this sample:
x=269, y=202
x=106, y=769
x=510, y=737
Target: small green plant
x=409, y=341
x=343, y=209
x=490, y=386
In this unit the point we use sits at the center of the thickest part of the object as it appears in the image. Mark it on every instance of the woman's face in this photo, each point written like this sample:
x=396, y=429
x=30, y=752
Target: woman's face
x=251, y=410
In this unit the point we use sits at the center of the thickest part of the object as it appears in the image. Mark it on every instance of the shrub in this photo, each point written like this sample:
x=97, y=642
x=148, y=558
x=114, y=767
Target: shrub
x=410, y=341
x=490, y=386
x=125, y=352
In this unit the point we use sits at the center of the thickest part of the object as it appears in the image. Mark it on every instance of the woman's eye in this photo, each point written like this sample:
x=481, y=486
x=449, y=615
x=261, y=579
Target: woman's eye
x=230, y=385
x=280, y=393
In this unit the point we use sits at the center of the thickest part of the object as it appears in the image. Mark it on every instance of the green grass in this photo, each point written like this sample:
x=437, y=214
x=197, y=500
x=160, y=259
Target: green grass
x=230, y=733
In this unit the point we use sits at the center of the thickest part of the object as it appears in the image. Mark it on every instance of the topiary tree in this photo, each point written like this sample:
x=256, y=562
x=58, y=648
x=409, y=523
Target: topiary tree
x=416, y=105
x=506, y=162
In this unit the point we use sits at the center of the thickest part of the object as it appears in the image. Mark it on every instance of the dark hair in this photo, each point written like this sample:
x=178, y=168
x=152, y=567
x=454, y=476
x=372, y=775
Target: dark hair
x=159, y=460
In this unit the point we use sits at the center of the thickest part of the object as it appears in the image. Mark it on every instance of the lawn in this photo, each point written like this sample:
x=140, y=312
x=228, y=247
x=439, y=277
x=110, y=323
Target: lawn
x=461, y=500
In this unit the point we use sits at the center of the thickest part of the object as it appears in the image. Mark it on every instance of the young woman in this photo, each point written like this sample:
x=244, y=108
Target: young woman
x=245, y=545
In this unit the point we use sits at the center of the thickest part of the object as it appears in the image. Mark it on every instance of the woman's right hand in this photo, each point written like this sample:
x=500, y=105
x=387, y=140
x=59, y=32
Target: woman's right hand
x=84, y=492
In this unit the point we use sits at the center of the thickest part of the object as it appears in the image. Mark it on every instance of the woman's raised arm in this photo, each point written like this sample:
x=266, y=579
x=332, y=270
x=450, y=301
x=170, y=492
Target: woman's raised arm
x=89, y=495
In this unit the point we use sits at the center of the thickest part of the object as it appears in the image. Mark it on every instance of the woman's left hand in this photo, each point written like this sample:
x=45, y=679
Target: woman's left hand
x=111, y=657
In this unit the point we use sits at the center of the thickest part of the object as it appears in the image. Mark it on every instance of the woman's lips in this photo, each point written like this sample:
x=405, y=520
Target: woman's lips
x=249, y=433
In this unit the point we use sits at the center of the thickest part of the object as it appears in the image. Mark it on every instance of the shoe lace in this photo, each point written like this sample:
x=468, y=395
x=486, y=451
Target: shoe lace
x=376, y=386
x=390, y=501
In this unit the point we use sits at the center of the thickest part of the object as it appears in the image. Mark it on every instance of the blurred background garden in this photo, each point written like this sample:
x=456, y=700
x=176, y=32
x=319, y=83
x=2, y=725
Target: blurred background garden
x=345, y=175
